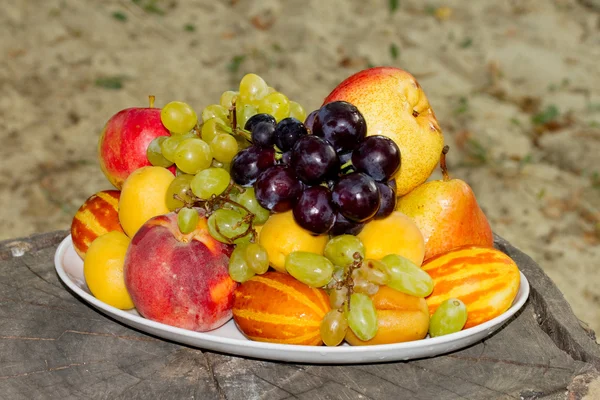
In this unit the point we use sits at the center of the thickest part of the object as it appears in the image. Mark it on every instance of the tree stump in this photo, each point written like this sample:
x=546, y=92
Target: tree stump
x=54, y=346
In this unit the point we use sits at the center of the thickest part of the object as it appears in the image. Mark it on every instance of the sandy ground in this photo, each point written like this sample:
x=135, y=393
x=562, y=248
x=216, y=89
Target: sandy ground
x=515, y=86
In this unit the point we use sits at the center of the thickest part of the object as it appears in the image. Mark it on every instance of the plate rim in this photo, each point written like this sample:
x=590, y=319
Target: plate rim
x=491, y=325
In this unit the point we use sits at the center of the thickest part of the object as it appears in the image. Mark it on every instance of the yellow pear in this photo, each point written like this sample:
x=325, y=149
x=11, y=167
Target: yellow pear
x=394, y=105
x=447, y=214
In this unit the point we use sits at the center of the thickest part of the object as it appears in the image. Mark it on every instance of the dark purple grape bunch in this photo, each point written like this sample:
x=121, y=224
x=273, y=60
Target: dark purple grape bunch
x=266, y=164
x=265, y=134
x=335, y=179
x=364, y=188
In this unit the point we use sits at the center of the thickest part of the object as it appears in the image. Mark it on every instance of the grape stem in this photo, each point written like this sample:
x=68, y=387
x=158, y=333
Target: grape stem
x=216, y=202
x=347, y=168
x=443, y=163
x=233, y=113
x=243, y=133
x=247, y=219
x=347, y=281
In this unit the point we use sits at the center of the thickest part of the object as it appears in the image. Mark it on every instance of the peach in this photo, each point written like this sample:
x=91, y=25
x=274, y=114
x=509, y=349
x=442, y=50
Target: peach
x=400, y=318
x=103, y=269
x=143, y=197
x=124, y=140
x=98, y=215
x=179, y=279
x=394, y=234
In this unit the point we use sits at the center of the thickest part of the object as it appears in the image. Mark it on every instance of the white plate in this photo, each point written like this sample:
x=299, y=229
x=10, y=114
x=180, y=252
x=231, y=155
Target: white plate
x=228, y=339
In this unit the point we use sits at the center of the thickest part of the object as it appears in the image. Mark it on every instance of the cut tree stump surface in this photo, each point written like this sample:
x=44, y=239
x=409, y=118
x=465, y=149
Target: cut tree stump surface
x=54, y=346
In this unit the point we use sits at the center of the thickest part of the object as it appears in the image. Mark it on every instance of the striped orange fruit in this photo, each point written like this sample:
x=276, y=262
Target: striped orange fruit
x=485, y=279
x=98, y=215
x=275, y=307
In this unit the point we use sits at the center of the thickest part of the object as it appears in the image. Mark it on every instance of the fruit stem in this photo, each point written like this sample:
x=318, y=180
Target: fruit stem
x=348, y=281
x=233, y=114
x=346, y=167
x=443, y=163
x=151, y=99
x=244, y=133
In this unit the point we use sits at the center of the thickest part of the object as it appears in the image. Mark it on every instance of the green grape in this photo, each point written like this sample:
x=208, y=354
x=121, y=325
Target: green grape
x=212, y=128
x=179, y=172
x=309, y=268
x=362, y=317
x=248, y=200
x=333, y=328
x=271, y=89
x=362, y=285
x=225, y=224
x=178, y=117
x=209, y=182
x=374, y=271
x=340, y=250
x=252, y=87
x=448, y=318
x=215, y=111
x=154, y=153
x=243, y=113
x=276, y=104
x=338, y=296
x=227, y=99
x=297, y=111
x=187, y=220
x=338, y=273
x=406, y=277
x=193, y=155
x=168, y=147
x=180, y=186
x=239, y=270
x=257, y=258
x=224, y=147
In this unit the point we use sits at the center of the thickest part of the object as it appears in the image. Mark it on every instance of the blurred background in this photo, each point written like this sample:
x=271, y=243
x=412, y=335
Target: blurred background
x=515, y=86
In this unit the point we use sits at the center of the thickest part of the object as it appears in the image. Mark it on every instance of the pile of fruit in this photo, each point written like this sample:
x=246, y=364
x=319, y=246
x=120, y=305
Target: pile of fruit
x=305, y=229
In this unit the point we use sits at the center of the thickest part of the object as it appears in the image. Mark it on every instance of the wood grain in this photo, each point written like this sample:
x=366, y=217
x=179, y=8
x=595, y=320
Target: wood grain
x=54, y=346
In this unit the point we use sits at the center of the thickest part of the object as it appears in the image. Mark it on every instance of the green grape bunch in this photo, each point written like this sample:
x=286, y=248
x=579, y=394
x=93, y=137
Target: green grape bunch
x=202, y=147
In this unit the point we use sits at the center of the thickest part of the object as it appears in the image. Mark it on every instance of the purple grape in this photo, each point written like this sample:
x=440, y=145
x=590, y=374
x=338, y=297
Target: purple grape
x=256, y=118
x=277, y=189
x=344, y=158
x=341, y=124
x=392, y=183
x=310, y=119
x=286, y=158
x=378, y=156
x=247, y=165
x=356, y=196
x=287, y=133
x=344, y=226
x=387, y=197
x=314, y=160
x=314, y=211
x=263, y=134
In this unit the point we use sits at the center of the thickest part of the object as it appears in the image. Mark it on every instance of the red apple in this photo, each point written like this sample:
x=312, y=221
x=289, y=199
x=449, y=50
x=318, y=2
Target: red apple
x=179, y=279
x=125, y=139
